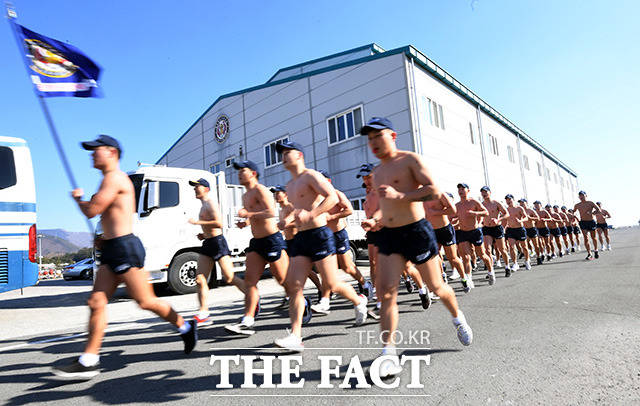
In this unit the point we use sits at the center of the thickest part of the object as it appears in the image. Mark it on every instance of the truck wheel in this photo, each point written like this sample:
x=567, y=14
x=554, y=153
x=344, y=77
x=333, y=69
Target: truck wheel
x=182, y=273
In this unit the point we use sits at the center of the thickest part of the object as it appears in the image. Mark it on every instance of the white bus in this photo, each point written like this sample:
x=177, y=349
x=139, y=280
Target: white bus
x=18, y=266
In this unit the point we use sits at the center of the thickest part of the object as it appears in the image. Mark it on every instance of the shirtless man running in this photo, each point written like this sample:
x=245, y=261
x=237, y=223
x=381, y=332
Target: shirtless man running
x=437, y=213
x=564, y=232
x=576, y=229
x=403, y=182
x=532, y=231
x=587, y=210
x=516, y=233
x=543, y=230
x=266, y=247
x=280, y=195
x=214, y=249
x=312, y=197
x=470, y=213
x=492, y=230
x=554, y=227
x=335, y=221
x=121, y=261
x=603, y=227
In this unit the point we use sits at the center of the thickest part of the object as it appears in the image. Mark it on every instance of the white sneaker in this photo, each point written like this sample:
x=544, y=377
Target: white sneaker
x=492, y=278
x=241, y=328
x=455, y=275
x=390, y=368
x=498, y=264
x=291, y=342
x=527, y=265
x=321, y=308
x=361, y=310
x=515, y=267
x=608, y=247
x=470, y=282
x=433, y=296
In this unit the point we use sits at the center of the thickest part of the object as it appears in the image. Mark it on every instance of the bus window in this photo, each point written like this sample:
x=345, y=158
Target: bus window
x=7, y=168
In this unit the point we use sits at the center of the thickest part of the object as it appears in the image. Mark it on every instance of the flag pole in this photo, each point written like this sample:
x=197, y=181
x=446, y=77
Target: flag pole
x=11, y=15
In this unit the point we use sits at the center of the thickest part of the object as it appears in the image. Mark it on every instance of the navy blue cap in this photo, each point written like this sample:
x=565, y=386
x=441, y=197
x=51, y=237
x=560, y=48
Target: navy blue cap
x=365, y=170
x=325, y=174
x=282, y=145
x=523, y=200
x=102, y=141
x=485, y=188
x=246, y=164
x=509, y=196
x=376, y=123
x=555, y=206
x=278, y=188
x=464, y=185
x=598, y=203
x=582, y=192
x=547, y=205
x=563, y=208
x=537, y=202
x=200, y=182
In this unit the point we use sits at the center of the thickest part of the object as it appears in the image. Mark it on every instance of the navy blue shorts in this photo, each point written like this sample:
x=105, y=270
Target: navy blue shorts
x=588, y=225
x=270, y=247
x=315, y=244
x=563, y=230
x=543, y=231
x=416, y=242
x=373, y=237
x=445, y=236
x=555, y=232
x=576, y=230
x=215, y=247
x=472, y=236
x=602, y=226
x=516, y=233
x=532, y=232
x=287, y=246
x=496, y=232
x=122, y=253
x=342, y=241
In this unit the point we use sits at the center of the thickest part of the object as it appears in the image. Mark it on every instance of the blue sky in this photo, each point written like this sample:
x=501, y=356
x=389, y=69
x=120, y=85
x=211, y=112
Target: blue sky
x=566, y=72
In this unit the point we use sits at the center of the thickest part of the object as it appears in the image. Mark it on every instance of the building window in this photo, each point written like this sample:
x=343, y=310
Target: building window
x=435, y=112
x=229, y=161
x=525, y=162
x=555, y=178
x=510, y=154
x=271, y=156
x=548, y=173
x=215, y=168
x=539, y=169
x=471, y=137
x=345, y=125
x=358, y=203
x=493, y=145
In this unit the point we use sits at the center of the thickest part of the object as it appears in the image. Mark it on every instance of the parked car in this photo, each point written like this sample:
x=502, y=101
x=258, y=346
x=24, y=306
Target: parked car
x=79, y=270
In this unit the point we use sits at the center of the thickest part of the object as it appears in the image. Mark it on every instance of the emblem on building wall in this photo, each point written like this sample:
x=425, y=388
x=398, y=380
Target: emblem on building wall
x=222, y=129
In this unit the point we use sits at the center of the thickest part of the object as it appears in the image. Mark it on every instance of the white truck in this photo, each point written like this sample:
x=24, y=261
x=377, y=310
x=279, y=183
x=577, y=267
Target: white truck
x=165, y=202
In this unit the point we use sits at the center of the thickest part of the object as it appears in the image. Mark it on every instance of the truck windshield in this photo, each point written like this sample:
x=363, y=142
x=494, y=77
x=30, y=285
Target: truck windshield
x=7, y=168
x=137, y=179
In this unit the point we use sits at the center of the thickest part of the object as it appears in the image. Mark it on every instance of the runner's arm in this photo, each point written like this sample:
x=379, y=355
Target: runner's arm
x=109, y=189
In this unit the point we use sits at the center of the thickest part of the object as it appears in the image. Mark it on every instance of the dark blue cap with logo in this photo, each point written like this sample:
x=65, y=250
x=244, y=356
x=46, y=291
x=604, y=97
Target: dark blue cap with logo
x=537, y=202
x=555, y=206
x=485, y=188
x=102, y=141
x=246, y=164
x=523, y=200
x=509, y=196
x=283, y=145
x=278, y=188
x=563, y=208
x=376, y=123
x=200, y=182
x=365, y=170
x=464, y=185
x=582, y=192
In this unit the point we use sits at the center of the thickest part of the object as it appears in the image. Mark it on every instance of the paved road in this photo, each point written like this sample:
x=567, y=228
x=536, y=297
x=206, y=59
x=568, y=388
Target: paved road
x=565, y=333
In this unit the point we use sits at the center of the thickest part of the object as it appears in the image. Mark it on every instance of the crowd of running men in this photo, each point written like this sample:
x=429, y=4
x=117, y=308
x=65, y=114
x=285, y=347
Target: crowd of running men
x=299, y=232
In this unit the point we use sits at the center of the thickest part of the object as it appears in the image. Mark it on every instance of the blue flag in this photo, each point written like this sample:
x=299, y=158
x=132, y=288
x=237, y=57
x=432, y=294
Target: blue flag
x=56, y=68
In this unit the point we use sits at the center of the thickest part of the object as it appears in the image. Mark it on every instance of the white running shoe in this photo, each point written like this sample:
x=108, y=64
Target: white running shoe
x=470, y=282
x=455, y=275
x=492, y=278
x=498, y=264
x=527, y=265
x=241, y=328
x=321, y=308
x=464, y=332
x=608, y=247
x=433, y=296
x=515, y=267
x=390, y=368
x=361, y=310
x=291, y=342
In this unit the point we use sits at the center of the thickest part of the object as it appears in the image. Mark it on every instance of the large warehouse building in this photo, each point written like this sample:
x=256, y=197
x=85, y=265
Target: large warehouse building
x=322, y=104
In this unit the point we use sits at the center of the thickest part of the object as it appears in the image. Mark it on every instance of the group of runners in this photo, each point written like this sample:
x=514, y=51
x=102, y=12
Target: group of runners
x=299, y=232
